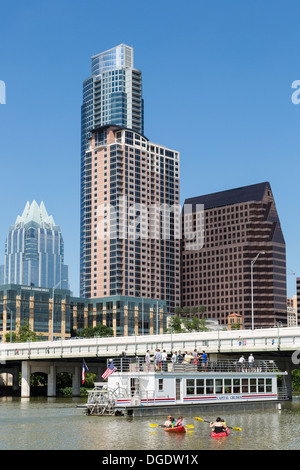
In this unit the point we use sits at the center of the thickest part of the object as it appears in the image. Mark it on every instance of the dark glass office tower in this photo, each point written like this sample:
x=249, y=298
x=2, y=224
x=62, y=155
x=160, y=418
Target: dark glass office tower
x=111, y=95
x=240, y=227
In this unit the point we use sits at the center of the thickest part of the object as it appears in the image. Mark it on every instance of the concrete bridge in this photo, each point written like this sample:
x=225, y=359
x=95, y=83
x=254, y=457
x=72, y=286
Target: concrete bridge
x=51, y=357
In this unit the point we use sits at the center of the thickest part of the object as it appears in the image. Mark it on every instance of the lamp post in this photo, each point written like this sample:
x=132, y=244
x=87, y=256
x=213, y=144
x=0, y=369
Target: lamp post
x=252, y=264
x=139, y=294
x=143, y=315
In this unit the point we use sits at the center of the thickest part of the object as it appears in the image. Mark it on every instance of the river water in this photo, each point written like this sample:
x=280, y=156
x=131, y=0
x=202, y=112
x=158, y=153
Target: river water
x=58, y=424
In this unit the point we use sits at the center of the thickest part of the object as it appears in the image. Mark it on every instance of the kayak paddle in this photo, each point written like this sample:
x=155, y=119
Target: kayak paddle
x=188, y=426
x=230, y=427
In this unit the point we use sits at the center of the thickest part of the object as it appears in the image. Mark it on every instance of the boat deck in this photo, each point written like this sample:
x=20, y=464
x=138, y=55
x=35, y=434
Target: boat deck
x=138, y=364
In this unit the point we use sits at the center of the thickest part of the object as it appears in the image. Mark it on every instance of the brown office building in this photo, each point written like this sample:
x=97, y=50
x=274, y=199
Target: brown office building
x=238, y=225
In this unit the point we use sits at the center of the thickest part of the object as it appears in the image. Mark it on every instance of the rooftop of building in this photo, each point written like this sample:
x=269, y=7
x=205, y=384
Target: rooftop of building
x=254, y=192
x=118, y=57
x=116, y=128
x=113, y=49
x=17, y=289
x=35, y=213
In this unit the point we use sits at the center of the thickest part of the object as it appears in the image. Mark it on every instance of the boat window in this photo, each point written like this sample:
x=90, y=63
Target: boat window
x=236, y=386
x=209, y=385
x=178, y=389
x=261, y=385
x=160, y=384
x=219, y=385
x=268, y=385
x=190, y=387
x=200, y=386
x=245, y=385
x=253, y=385
x=227, y=386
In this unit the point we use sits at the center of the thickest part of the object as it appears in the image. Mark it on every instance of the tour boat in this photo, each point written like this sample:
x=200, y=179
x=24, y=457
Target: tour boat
x=136, y=388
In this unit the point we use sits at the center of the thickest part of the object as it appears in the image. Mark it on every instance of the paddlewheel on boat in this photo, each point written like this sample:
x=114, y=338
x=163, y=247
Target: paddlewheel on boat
x=101, y=401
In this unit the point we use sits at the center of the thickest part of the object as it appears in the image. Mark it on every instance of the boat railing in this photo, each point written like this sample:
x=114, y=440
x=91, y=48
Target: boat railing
x=282, y=393
x=144, y=397
x=102, y=391
x=139, y=364
x=147, y=395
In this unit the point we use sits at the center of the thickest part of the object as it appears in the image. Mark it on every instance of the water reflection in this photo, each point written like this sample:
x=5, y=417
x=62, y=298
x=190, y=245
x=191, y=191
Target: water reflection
x=41, y=423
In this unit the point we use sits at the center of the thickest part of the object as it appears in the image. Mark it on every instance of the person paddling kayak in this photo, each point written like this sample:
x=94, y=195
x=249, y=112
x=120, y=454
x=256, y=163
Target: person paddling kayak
x=218, y=426
x=178, y=421
x=169, y=423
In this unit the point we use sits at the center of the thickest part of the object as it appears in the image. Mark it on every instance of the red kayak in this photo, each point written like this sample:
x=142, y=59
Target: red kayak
x=176, y=429
x=220, y=434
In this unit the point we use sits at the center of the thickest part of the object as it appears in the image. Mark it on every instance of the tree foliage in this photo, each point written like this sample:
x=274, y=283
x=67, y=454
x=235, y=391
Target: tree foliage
x=91, y=332
x=23, y=334
x=296, y=380
x=179, y=325
x=188, y=319
x=175, y=325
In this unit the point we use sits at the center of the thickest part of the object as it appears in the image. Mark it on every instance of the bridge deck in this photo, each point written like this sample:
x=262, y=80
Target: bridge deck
x=244, y=341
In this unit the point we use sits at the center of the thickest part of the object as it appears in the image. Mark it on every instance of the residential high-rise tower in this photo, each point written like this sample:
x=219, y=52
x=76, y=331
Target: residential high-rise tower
x=134, y=241
x=111, y=95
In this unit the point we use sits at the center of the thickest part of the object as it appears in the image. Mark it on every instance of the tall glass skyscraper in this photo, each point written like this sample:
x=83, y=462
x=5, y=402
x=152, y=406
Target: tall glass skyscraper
x=34, y=251
x=111, y=95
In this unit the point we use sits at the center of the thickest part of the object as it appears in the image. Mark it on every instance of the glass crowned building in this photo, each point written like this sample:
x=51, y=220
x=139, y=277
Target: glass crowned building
x=34, y=251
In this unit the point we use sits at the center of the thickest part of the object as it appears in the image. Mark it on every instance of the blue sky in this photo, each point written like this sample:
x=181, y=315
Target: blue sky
x=217, y=79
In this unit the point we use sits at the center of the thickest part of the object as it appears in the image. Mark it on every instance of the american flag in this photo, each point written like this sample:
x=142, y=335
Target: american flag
x=111, y=368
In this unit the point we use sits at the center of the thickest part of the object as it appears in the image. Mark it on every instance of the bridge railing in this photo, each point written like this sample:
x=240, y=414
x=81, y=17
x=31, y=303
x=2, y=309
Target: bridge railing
x=281, y=339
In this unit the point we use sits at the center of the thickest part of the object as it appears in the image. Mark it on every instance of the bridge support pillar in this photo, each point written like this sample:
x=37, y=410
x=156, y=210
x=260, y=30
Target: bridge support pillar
x=51, y=387
x=25, y=380
x=16, y=380
x=76, y=382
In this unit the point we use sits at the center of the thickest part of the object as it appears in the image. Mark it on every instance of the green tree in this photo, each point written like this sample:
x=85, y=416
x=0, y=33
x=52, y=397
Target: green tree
x=236, y=326
x=194, y=310
x=23, y=334
x=186, y=311
x=295, y=380
x=195, y=324
x=202, y=309
x=175, y=325
x=178, y=310
x=91, y=332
